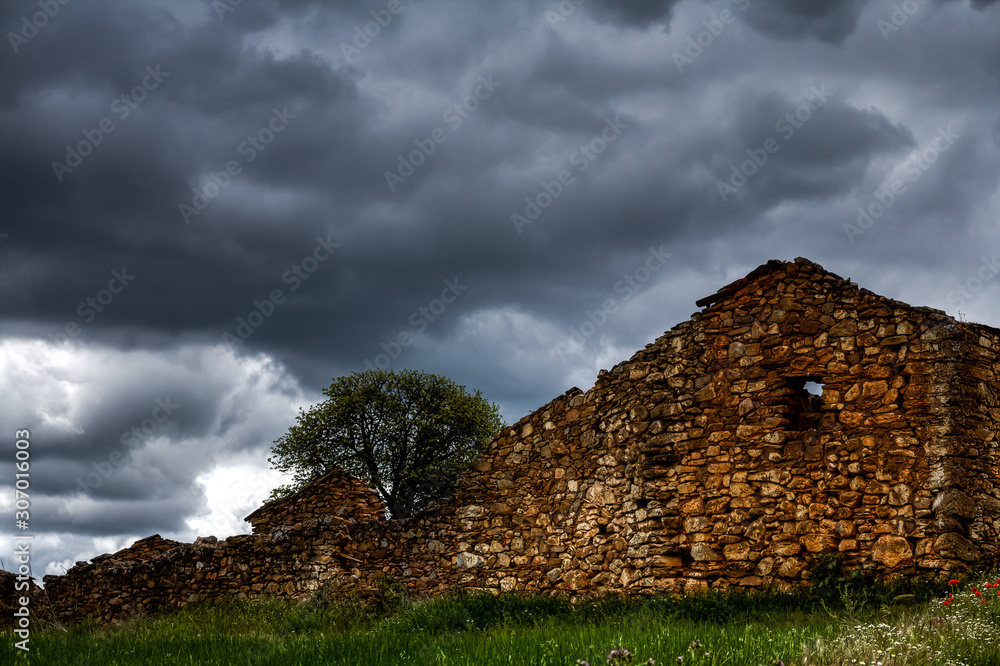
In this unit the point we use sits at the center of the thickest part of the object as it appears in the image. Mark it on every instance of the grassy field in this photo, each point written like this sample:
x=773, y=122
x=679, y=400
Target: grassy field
x=838, y=622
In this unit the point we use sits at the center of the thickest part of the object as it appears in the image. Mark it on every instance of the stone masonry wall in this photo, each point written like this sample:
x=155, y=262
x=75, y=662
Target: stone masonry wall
x=291, y=561
x=335, y=492
x=297, y=543
x=702, y=461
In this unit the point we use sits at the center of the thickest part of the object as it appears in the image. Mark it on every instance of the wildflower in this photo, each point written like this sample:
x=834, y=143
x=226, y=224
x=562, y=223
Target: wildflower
x=946, y=602
x=954, y=582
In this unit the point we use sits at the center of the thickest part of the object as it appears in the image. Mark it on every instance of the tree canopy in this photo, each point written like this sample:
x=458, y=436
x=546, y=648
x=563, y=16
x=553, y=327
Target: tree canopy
x=407, y=434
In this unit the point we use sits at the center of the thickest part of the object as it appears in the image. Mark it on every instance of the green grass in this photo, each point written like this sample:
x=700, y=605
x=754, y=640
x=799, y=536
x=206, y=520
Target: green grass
x=840, y=622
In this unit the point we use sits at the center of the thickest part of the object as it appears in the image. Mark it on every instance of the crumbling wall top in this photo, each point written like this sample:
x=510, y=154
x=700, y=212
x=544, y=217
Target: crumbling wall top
x=335, y=493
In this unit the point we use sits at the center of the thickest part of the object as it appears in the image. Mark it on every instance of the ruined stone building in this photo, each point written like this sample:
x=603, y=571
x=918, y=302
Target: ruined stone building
x=796, y=414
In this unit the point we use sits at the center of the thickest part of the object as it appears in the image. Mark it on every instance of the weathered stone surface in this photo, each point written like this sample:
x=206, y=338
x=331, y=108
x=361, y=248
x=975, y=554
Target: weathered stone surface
x=891, y=550
x=952, y=502
x=955, y=546
x=819, y=543
x=335, y=493
x=900, y=494
x=791, y=568
x=702, y=552
x=468, y=561
x=701, y=462
x=600, y=495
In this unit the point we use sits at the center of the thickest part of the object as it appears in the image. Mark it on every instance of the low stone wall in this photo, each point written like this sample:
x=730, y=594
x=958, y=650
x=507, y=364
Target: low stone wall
x=290, y=561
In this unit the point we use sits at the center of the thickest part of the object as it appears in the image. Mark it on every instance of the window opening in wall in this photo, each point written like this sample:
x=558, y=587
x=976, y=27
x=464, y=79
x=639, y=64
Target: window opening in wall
x=815, y=388
x=805, y=402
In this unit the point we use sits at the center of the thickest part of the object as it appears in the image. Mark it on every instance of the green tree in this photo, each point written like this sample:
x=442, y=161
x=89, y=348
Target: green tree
x=407, y=434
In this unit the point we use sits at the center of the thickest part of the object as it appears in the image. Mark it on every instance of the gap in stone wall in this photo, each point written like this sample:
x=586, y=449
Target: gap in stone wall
x=803, y=402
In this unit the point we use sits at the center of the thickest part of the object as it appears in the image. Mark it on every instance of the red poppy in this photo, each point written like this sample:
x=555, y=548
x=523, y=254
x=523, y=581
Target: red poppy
x=947, y=601
x=954, y=582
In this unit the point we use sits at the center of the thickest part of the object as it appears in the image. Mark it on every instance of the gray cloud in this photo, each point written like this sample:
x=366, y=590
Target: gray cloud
x=826, y=20
x=634, y=12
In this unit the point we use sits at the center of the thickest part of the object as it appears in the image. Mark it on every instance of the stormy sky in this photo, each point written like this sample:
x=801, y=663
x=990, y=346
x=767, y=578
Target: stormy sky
x=212, y=208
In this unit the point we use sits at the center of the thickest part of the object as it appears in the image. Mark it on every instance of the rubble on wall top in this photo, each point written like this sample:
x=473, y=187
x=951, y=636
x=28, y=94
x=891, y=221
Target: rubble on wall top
x=764, y=269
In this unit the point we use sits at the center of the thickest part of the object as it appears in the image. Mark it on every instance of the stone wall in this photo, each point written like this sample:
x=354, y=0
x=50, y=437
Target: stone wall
x=297, y=543
x=335, y=492
x=703, y=460
x=291, y=560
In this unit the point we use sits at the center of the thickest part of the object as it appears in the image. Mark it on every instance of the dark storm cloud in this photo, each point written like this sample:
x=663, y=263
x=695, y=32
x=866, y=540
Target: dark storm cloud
x=214, y=94
x=826, y=20
x=157, y=422
x=831, y=21
x=327, y=171
x=138, y=515
x=634, y=12
x=105, y=256
x=815, y=147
